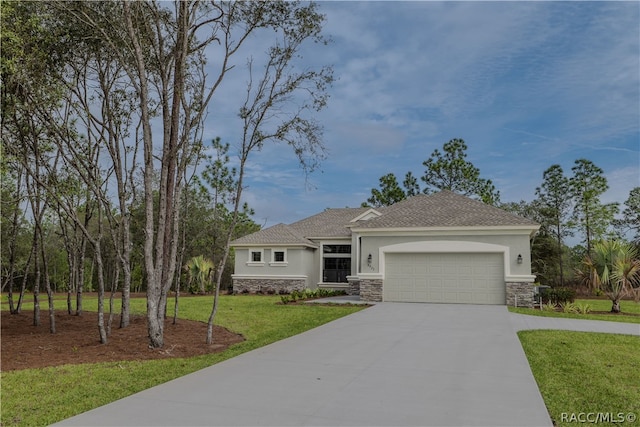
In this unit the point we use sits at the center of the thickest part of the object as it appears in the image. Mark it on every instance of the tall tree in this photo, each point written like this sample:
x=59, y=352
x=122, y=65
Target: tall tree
x=592, y=217
x=631, y=213
x=280, y=103
x=388, y=194
x=554, y=207
x=31, y=57
x=162, y=49
x=449, y=170
x=410, y=184
x=13, y=226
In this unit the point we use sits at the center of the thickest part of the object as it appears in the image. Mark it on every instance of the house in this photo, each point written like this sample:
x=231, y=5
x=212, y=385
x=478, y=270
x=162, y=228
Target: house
x=442, y=248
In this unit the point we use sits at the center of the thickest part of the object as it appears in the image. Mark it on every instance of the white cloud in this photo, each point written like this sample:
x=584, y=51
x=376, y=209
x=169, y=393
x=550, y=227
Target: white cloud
x=526, y=84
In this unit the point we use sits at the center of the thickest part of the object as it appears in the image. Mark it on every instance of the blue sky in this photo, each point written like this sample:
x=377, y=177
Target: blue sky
x=525, y=84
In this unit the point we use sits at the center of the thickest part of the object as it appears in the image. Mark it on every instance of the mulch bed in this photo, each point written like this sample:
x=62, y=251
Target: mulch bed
x=77, y=341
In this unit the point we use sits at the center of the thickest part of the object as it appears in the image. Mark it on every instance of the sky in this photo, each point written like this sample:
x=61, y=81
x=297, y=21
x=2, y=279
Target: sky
x=525, y=84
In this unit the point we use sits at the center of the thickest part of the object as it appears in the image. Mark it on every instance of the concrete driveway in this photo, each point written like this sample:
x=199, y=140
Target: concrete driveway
x=393, y=364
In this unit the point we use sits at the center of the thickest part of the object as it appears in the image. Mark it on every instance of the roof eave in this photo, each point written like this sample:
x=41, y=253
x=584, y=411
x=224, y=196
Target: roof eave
x=475, y=228
x=274, y=245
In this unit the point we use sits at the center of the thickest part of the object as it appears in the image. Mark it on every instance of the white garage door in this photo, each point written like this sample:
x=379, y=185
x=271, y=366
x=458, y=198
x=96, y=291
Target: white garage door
x=448, y=278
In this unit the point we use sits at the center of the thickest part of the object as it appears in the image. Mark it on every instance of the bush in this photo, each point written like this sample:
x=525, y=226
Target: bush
x=583, y=308
x=558, y=296
x=569, y=308
x=304, y=294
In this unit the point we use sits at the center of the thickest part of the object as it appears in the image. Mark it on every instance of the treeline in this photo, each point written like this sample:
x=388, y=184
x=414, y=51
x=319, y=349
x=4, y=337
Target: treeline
x=71, y=262
x=566, y=205
x=107, y=181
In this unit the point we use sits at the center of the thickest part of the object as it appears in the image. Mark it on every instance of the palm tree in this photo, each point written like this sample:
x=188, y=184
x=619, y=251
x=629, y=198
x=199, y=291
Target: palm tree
x=615, y=269
x=199, y=272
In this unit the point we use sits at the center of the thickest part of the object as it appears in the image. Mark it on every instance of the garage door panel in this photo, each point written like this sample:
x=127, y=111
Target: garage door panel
x=447, y=278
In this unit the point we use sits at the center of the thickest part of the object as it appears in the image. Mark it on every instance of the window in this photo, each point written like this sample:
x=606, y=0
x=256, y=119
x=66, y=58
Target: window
x=278, y=257
x=336, y=263
x=256, y=257
x=336, y=249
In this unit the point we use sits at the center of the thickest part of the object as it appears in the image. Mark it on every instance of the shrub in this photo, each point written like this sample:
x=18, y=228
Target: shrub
x=583, y=308
x=558, y=296
x=300, y=295
x=549, y=307
x=569, y=308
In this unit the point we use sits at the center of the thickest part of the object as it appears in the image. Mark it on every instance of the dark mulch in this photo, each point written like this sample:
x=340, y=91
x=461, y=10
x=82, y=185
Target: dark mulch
x=77, y=340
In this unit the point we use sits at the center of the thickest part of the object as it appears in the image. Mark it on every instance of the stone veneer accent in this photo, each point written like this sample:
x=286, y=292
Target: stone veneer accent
x=267, y=286
x=354, y=287
x=520, y=294
x=371, y=290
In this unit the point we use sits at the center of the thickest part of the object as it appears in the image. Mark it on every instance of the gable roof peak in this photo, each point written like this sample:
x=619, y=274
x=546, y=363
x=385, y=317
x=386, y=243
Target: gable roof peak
x=367, y=215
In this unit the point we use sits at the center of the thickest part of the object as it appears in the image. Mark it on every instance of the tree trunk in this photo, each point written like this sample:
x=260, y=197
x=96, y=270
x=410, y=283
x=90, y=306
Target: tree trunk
x=81, y=274
x=558, y=230
x=13, y=243
x=114, y=287
x=98, y=256
x=36, y=298
x=176, y=306
x=615, y=306
x=36, y=285
x=227, y=248
x=71, y=279
x=47, y=282
x=214, y=310
x=23, y=286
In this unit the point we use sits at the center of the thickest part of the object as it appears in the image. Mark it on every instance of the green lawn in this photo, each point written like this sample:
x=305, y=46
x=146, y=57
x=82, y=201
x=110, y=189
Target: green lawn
x=630, y=307
x=586, y=373
x=36, y=397
x=576, y=372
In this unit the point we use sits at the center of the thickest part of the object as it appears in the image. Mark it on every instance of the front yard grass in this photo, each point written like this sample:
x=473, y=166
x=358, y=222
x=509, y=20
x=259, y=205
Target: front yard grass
x=586, y=373
x=36, y=397
x=629, y=307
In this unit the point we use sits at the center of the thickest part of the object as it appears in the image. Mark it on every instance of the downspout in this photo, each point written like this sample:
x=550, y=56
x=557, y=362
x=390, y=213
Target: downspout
x=359, y=258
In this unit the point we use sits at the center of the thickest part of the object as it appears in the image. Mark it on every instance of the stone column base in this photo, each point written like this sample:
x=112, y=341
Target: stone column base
x=520, y=294
x=371, y=290
x=354, y=287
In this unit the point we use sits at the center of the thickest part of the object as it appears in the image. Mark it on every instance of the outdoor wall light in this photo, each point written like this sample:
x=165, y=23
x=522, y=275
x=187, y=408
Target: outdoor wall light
x=519, y=259
x=369, y=260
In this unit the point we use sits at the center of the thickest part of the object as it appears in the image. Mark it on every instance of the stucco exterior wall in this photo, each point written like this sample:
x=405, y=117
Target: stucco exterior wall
x=310, y=263
x=517, y=244
x=297, y=262
x=298, y=272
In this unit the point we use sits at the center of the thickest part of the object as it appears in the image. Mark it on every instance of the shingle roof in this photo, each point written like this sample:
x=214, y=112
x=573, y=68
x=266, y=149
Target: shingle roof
x=277, y=234
x=329, y=223
x=443, y=209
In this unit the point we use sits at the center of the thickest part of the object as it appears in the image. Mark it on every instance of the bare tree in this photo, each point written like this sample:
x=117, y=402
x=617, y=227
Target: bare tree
x=275, y=110
x=161, y=49
x=11, y=201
